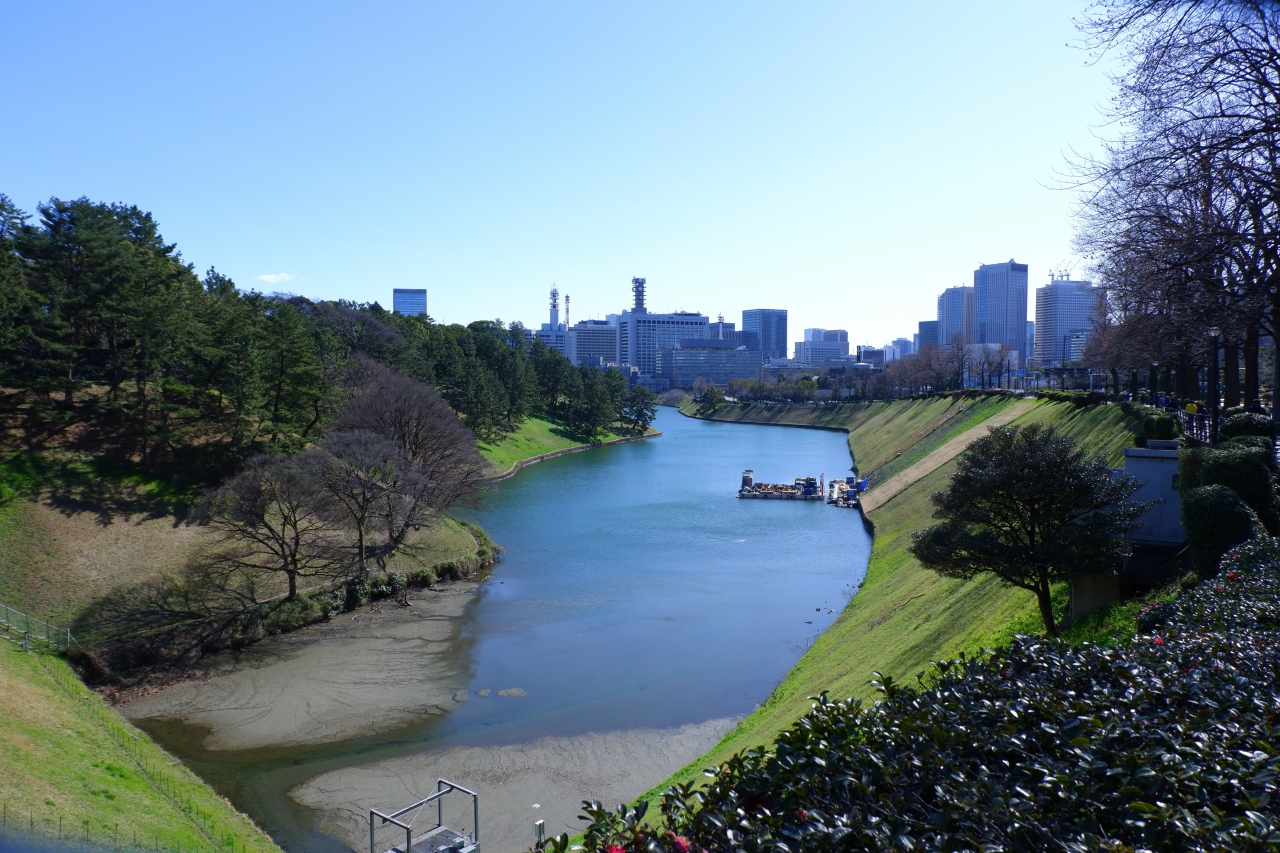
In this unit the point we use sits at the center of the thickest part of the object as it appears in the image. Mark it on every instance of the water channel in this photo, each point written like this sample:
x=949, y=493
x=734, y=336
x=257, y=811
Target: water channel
x=634, y=592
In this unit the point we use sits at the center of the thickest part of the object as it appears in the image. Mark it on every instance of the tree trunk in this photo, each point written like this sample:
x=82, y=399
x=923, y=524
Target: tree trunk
x=1046, y=607
x=1231, y=375
x=293, y=584
x=1251, y=366
x=360, y=544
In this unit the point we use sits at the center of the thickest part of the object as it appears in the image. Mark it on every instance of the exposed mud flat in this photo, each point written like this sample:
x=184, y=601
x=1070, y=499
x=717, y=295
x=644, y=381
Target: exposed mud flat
x=378, y=668
x=519, y=784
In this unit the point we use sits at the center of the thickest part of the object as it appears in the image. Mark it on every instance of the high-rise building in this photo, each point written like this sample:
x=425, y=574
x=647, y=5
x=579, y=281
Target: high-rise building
x=905, y=346
x=928, y=334
x=873, y=356
x=641, y=334
x=554, y=334
x=1029, y=354
x=828, y=336
x=817, y=351
x=955, y=315
x=409, y=301
x=1065, y=311
x=1000, y=305
x=770, y=324
x=593, y=342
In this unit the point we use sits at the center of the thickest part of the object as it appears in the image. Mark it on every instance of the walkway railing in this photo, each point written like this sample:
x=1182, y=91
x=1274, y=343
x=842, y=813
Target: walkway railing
x=28, y=630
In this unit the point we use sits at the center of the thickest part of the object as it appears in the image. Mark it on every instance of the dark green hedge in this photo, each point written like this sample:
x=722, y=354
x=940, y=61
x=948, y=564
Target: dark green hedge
x=1171, y=743
x=1245, y=424
x=1216, y=519
x=1249, y=472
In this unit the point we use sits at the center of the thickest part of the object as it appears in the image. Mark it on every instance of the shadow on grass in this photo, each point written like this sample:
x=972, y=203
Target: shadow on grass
x=110, y=490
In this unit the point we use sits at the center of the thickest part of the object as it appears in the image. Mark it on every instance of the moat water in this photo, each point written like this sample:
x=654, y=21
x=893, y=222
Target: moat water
x=634, y=591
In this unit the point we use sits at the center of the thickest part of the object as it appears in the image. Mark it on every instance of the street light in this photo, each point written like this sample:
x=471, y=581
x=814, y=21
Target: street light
x=1214, y=334
x=1153, y=381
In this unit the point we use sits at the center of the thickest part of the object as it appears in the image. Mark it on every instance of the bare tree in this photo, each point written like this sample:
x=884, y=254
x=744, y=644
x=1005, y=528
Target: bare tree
x=273, y=518
x=364, y=474
x=447, y=470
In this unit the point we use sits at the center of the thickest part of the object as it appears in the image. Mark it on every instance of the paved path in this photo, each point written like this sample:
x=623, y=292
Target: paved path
x=882, y=494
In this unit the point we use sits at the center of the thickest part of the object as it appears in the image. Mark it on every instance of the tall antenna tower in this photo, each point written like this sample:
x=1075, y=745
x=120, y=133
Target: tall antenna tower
x=637, y=289
x=566, y=310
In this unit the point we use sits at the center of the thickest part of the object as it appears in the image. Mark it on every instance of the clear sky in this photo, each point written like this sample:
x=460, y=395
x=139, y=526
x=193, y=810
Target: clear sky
x=843, y=160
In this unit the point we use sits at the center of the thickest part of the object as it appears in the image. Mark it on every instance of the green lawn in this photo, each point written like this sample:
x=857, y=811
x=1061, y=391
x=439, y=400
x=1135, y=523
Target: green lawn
x=68, y=756
x=535, y=437
x=905, y=616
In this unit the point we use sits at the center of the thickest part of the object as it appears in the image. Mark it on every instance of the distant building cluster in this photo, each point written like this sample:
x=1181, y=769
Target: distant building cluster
x=667, y=350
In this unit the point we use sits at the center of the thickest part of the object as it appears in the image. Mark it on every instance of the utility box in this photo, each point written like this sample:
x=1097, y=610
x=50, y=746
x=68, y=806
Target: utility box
x=1158, y=471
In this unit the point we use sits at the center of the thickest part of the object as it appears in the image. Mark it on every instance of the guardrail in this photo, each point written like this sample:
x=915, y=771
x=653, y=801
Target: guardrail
x=20, y=627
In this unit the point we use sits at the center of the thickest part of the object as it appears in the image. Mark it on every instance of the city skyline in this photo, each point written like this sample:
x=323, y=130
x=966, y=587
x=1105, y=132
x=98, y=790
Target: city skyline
x=484, y=156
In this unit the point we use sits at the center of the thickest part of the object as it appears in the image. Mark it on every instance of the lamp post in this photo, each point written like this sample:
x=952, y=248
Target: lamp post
x=1214, y=335
x=1153, y=382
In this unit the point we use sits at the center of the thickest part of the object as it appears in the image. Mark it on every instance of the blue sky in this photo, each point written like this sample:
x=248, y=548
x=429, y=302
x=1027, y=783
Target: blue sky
x=845, y=161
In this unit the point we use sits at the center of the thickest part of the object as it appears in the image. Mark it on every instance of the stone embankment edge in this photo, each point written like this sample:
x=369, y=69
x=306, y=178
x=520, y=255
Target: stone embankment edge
x=521, y=464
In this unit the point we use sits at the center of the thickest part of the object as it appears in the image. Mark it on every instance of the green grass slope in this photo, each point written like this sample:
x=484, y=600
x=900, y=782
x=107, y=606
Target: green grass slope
x=877, y=431
x=905, y=616
x=535, y=437
x=75, y=768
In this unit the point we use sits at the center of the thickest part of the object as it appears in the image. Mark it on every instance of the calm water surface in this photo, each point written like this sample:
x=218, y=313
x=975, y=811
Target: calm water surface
x=634, y=591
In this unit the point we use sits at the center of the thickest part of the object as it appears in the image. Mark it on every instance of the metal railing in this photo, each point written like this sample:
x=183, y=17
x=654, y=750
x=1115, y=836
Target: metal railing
x=443, y=788
x=26, y=629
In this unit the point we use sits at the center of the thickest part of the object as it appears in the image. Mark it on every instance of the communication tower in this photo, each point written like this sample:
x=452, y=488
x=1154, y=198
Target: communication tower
x=637, y=288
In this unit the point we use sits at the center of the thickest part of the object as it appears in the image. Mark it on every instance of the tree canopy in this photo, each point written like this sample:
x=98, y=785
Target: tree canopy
x=1026, y=505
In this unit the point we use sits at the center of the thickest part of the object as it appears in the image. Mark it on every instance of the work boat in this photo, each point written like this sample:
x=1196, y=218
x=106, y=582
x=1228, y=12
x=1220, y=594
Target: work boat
x=803, y=489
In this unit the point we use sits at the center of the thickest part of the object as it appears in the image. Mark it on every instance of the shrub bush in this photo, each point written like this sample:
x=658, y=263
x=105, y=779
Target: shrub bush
x=1170, y=743
x=357, y=593
x=1245, y=423
x=1255, y=442
x=1216, y=519
x=1249, y=472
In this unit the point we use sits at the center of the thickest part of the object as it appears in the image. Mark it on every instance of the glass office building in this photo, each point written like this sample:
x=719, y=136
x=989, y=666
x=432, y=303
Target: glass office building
x=770, y=326
x=409, y=301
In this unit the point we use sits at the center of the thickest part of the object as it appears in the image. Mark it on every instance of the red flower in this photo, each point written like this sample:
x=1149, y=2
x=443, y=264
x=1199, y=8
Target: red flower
x=1231, y=576
x=1219, y=587
x=1235, y=556
x=614, y=848
x=1158, y=641
x=802, y=814
x=680, y=843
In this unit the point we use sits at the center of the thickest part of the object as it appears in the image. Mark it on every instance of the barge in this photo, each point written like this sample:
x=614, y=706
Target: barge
x=803, y=489
x=844, y=493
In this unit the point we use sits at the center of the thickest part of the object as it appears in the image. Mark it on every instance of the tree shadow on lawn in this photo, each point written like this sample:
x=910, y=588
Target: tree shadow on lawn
x=109, y=490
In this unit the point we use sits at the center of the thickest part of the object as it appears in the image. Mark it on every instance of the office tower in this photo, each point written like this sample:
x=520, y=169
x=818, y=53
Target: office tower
x=873, y=356
x=593, y=342
x=955, y=315
x=1065, y=312
x=928, y=334
x=1029, y=354
x=641, y=334
x=770, y=324
x=838, y=338
x=817, y=350
x=409, y=301
x=1000, y=305
x=905, y=346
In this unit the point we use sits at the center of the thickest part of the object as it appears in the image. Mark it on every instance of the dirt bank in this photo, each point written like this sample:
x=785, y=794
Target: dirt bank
x=519, y=784
x=374, y=669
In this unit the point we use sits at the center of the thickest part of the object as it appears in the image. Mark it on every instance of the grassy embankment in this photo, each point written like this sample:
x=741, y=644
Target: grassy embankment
x=71, y=531
x=535, y=437
x=75, y=768
x=904, y=616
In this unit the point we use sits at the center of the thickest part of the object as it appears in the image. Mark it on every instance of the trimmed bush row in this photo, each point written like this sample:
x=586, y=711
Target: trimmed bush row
x=1170, y=743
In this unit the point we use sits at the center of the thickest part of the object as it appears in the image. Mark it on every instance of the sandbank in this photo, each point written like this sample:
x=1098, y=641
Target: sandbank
x=518, y=784
x=377, y=668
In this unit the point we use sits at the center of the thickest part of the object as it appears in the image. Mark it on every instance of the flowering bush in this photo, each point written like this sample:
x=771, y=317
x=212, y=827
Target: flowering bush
x=1172, y=743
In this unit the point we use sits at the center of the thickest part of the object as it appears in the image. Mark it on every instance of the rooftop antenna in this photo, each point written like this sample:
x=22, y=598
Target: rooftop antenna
x=566, y=310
